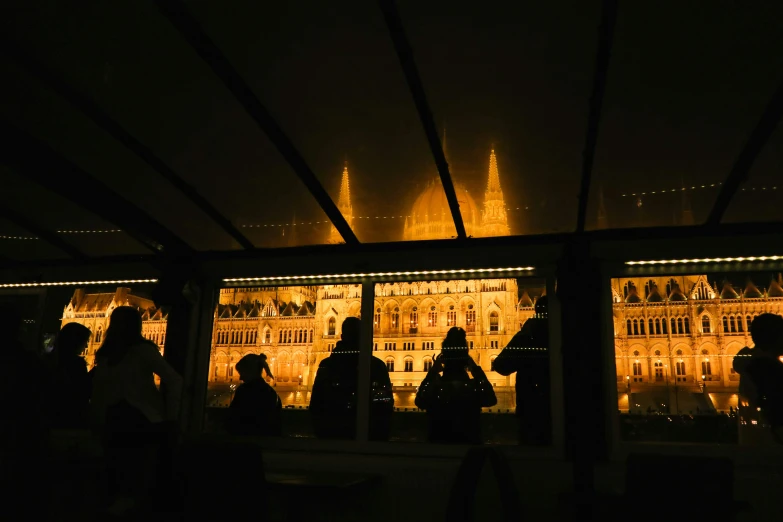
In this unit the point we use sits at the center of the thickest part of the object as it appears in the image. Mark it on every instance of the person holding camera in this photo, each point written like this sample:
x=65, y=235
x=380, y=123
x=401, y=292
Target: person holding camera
x=453, y=393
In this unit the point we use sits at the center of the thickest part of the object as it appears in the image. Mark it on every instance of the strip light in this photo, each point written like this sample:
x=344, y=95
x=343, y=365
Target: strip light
x=77, y=283
x=382, y=274
x=705, y=260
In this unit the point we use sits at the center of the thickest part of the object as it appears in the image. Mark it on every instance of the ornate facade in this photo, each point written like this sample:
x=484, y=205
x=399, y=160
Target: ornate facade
x=675, y=339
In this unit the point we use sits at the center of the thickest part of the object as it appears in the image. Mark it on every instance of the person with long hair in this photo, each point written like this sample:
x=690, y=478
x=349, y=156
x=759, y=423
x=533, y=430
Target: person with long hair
x=129, y=411
x=256, y=407
x=453, y=400
x=68, y=396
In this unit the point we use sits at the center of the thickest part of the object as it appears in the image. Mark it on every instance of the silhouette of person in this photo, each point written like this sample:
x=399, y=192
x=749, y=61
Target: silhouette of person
x=256, y=407
x=68, y=397
x=130, y=412
x=23, y=437
x=761, y=370
x=453, y=401
x=333, y=401
x=527, y=354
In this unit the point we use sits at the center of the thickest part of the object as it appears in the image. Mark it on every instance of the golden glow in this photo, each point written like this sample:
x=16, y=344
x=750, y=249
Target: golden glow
x=78, y=283
x=705, y=260
x=379, y=275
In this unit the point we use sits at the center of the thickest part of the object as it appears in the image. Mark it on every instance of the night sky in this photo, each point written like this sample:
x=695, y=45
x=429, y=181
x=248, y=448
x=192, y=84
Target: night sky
x=687, y=83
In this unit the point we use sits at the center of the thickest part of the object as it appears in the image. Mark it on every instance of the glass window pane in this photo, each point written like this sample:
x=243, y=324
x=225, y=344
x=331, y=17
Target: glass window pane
x=129, y=59
x=510, y=85
x=678, y=109
x=330, y=75
x=683, y=378
x=296, y=328
x=19, y=244
x=420, y=326
x=89, y=233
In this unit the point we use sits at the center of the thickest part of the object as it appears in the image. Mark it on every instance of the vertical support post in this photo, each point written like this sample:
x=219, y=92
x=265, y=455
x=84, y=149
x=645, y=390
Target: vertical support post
x=557, y=403
x=365, y=358
x=197, y=369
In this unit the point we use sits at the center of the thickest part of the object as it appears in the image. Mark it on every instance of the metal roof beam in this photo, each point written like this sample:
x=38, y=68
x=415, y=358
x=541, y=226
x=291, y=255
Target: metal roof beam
x=179, y=16
x=42, y=233
x=57, y=83
x=605, y=38
x=405, y=55
x=40, y=163
x=753, y=147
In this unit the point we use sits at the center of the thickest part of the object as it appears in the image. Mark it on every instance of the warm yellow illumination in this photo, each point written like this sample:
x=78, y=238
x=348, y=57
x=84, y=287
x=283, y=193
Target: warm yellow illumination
x=380, y=275
x=78, y=283
x=705, y=260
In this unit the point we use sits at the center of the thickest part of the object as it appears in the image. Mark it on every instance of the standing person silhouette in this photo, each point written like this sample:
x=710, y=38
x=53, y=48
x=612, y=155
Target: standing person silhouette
x=129, y=410
x=333, y=401
x=453, y=401
x=256, y=407
x=69, y=389
x=527, y=354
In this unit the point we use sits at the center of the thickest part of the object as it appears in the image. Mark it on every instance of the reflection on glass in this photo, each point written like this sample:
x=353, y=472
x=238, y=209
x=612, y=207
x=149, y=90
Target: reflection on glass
x=676, y=339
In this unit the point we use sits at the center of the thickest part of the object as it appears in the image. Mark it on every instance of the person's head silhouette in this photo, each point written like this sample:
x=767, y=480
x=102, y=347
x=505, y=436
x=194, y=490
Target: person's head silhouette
x=766, y=330
x=250, y=366
x=455, y=345
x=350, y=332
x=123, y=332
x=72, y=340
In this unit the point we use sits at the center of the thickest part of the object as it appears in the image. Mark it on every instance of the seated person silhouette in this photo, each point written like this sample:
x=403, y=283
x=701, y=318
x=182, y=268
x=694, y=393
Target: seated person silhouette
x=256, y=407
x=527, y=355
x=761, y=371
x=333, y=401
x=453, y=401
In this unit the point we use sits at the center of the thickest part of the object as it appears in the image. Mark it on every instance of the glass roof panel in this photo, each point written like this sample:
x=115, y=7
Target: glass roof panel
x=88, y=233
x=330, y=75
x=136, y=66
x=18, y=244
x=514, y=78
x=679, y=108
x=760, y=198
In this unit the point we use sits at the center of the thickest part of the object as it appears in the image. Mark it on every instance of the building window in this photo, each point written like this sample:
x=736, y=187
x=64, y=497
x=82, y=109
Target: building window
x=331, y=326
x=629, y=326
x=748, y=322
x=651, y=326
x=375, y=347
x=740, y=326
x=470, y=319
x=395, y=318
x=98, y=335
x=390, y=347
x=231, y=370
x=706, y=368
x=428, y=345
x=658, y=371
x=725, y=324
x=408, y=365
x=705, y=324
x=407, y=347
x=432, y=317
x=376, y=320
x=451, y=317
x=637, y=372
x=390, y=364
x=427, y=364
x=679, y=367
x=687, y=323
x=493, y=344
x=494, y=322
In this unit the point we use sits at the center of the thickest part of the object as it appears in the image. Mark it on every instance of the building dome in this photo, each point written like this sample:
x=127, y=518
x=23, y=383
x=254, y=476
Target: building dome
x=430, y=217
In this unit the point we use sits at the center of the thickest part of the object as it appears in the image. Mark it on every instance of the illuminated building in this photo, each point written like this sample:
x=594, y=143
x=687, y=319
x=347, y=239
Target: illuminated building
x=676, y=337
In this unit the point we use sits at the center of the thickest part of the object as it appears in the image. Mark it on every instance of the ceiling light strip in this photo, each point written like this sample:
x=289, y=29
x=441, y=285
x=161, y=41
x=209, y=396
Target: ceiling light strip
x=465, y=271
x=77, y=283
x=705, y=260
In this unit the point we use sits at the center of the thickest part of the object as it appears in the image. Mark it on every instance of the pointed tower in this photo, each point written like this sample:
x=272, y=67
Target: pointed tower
x=344, y=204
x=494, y=221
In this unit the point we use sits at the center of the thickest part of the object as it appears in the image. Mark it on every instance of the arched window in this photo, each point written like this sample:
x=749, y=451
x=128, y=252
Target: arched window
x=331, y=326
x=267, y=336
x=705, y=324
x=733, y=323
x=706, y=368
x=427, y=364
x=451, y=318
x=651, y=326
x=311, y=335
x=680, y=327
x=494, y=322
x=674, y=326
x=376, y=320
x=641, y=326
x=390, y=364
x=748, y=321
x=664, y=326
x=432, y=317
x=740, y=326
x=658, y=371
x=629, y=326
x=289, y=336
x=414, y=320
x=408, y=364
x=470, y=319
x=637, y=371
x=395, y=318
x=687, y=323
x=679, y=368
x=725, y=324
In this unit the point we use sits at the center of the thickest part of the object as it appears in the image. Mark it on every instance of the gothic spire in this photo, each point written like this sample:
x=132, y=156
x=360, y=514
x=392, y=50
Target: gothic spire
x=344, y=204
x=494, y=220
